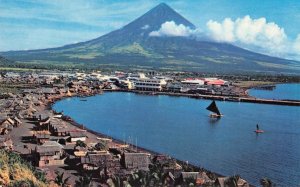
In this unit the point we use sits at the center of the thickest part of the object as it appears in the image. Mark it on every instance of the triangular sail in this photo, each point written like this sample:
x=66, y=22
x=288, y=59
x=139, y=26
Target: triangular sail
x=213, y=108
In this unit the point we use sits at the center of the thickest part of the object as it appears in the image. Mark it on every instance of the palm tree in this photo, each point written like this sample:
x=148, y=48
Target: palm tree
x=134, y=179
x=232, y=181
x=190, y=181
x=157, y=175
x=265, y=182
x=146, y=179
x=110, y=183
x=80, y=143
x=116, y=180
x=59, y=179
x=84, y=181
x=126, y=184
x=211, y=175
x=102, y=145
x=102, y=176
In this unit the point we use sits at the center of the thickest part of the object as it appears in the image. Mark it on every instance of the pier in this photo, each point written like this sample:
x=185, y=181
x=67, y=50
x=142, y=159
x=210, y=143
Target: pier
x=215, y=97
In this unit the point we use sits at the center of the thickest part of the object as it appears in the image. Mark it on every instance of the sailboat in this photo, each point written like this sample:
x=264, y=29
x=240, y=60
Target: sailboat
x=213, y=108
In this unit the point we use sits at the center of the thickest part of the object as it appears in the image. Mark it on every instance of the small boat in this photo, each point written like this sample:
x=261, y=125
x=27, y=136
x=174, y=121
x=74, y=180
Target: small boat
x=259, y=131
x=213, y=108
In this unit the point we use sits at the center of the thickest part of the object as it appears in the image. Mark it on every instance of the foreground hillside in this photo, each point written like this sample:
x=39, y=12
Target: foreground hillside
x=16, y=172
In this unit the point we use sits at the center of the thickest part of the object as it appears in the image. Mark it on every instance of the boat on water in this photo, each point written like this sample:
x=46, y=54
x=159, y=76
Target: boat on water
x=214, y=108
x=258, y=130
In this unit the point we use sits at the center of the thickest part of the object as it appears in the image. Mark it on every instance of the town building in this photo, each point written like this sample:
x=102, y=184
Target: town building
x=49, y=154
x=41, y=137
x=223, y=182
x=77, y=136
x=191, y=81
x=215, y=81
x=97, y=161
x=136, y=76
x=149, y=84
x=139, y=161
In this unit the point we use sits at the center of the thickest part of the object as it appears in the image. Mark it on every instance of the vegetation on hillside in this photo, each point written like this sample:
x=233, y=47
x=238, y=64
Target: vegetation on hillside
x=14, y=171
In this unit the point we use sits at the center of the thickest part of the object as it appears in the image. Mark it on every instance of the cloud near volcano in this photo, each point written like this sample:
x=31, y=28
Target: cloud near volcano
x=254, y=34
x=170, y=28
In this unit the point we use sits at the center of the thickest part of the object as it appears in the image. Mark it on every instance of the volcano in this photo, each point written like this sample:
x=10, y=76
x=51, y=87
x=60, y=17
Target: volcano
x=132, y=46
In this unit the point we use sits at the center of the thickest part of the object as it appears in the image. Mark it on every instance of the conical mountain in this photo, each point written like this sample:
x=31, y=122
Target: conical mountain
x=139, y=29
x=153, y=19
x=131, y=46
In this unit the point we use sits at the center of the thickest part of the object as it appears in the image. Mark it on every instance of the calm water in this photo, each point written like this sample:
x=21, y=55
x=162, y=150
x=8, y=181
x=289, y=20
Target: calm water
x=282, y=91
x=181, y=127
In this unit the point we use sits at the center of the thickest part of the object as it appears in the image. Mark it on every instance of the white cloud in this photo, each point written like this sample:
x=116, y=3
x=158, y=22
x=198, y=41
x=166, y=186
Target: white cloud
x=145, y=27
x=296, y=45
x=248, y=31
x=170, y=28
x=222, y=31
x=255, y=34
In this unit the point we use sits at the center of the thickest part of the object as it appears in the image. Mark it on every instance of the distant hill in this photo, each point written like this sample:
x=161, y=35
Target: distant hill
x=5, y=61
x=132, y=47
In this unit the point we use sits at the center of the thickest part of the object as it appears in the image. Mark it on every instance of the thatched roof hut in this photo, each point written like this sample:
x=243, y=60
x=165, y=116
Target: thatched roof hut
x=139, y=161
x=99, y=159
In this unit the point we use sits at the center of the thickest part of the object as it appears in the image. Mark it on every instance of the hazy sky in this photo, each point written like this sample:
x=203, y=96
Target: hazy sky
x=34, y=24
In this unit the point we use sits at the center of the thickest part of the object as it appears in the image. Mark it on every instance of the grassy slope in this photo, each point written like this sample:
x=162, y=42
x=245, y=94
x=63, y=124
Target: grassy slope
x=14, y=170
x=152, y=53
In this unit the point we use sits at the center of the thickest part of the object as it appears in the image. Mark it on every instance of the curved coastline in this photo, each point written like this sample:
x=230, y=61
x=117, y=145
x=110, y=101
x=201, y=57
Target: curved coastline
x=49, y=106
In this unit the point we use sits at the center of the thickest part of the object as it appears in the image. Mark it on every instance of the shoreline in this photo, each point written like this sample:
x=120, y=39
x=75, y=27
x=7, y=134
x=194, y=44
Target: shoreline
x=49, y=106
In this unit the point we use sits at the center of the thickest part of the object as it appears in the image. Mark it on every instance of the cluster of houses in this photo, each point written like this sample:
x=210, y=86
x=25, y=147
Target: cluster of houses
x=91, y=82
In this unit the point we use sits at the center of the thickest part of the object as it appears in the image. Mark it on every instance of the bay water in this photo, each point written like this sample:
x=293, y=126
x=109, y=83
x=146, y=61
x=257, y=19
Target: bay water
x=181, y=127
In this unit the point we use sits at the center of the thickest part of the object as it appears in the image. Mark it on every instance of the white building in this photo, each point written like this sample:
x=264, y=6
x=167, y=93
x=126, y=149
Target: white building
x=149, y=84
x=133, y=77
x=80, y=76
x=12, y=75
x=193, y=81
x=95, y=76
x=128, y=84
